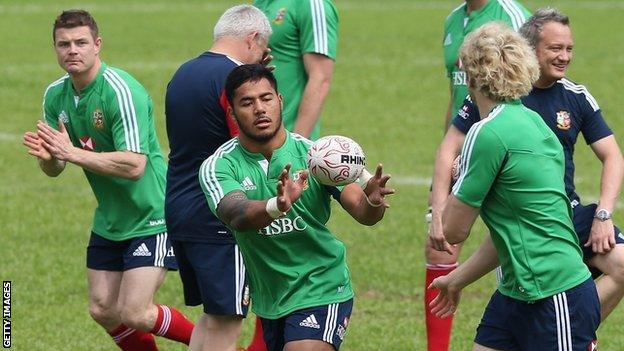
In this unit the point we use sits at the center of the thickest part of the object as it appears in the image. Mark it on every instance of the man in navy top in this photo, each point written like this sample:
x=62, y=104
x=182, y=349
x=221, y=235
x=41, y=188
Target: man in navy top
x=568, y=109
x=211, y=266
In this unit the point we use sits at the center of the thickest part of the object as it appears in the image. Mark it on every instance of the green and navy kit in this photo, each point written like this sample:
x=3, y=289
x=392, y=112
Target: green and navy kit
x=299, y=27
x=295, y=262
x=459, y=24
x=512, y=167
x=114, y=113
x=568, y=109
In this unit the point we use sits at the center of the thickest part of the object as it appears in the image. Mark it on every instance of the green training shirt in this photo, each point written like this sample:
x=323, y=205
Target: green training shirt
x=458, y=24
x=295, y=262
x=114, y=113
x=299, y=27
x=512, y=167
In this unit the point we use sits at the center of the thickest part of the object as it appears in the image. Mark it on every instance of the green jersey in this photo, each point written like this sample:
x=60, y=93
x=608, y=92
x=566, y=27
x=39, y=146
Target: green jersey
x=299, y=27
x=512, y=167
x=295, y=262
x=458, y=24
x=114, y=113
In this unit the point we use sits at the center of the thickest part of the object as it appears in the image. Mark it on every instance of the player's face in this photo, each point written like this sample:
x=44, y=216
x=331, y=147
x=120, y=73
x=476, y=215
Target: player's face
x=76, y=50
x=554, y=51
x=257, y=108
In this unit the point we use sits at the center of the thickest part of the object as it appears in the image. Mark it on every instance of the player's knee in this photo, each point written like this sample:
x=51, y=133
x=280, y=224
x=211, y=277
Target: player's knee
x=102, y=313
x=616, y=272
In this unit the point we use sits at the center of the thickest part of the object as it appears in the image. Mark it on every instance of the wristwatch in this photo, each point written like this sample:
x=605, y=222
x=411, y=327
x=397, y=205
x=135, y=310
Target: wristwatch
x=602, y=215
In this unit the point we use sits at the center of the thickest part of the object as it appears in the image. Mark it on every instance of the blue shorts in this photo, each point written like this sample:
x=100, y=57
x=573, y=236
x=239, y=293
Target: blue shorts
x=213, y=275
x=583, y=217
x=118, y=256
x=565, y=322
x=327, y=323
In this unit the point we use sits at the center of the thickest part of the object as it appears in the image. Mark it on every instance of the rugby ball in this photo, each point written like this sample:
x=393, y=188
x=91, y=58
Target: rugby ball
x=336, y=160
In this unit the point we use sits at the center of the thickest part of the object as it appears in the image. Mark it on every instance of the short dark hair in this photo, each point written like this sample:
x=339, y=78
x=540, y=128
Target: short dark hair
x=75, y=18
x=247, y=73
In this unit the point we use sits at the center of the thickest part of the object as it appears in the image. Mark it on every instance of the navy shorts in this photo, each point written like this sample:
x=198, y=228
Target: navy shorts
x=583, y=217
x=213, y=275
x=118, y=256
x=327, y=323
x=565, y=322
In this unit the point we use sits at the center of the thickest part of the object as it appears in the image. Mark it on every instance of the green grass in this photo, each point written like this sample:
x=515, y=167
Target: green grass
x=389, y=93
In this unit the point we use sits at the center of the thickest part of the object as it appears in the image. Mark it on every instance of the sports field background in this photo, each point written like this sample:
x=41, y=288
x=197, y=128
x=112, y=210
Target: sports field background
x=389, y=93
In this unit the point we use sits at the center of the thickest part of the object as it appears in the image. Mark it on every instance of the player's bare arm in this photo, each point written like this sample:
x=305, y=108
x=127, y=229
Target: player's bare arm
x=457, y=220
x=449, y=149
x=49, y=165
x=123, y=164
x=320, y=69
x=367, y=205
x=242, y=214
x=484, y=260
x=449, y=108
x=608, y=152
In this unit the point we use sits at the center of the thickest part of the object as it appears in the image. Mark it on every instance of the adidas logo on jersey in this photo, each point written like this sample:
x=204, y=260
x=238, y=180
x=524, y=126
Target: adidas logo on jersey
x=63, y=117
x=247, y=184
x=310, y=322
x=142, y=251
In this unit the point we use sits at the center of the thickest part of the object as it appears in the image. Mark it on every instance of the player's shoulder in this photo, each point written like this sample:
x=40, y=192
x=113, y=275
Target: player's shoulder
x=56, y=87
x=510, y=11
x=315, y=9
x=121, y=81
x=578, y=92
x=227, y=153
x=457, y=13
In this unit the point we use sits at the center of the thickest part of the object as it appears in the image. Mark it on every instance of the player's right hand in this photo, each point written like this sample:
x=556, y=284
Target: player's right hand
x=33, y=144
x=445, y=304
x=436, y=236
x=289, y=190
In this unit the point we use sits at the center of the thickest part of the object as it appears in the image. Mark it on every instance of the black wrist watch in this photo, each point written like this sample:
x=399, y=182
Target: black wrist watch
x=602, y=215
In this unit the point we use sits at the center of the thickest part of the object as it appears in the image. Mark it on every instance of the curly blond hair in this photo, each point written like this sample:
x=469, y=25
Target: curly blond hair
x=499, y=62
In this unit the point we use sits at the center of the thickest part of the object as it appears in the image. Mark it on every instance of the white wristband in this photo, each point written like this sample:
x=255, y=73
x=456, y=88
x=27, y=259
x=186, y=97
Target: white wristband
x=363, y=179
x=372, y=204
x=272, y=210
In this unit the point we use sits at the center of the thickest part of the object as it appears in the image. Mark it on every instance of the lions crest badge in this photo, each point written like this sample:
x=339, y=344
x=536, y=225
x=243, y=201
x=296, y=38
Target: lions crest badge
x=279, y=16
x=563, y=120
x=98, y=119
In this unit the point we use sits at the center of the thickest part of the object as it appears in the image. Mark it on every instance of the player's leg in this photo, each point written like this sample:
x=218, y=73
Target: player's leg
x=214, y=275
x=477, y=347
x=146, y=262
x=438, y=264
x=610, y=286
x=317, y=328
x=257, y=341
x=104, y=276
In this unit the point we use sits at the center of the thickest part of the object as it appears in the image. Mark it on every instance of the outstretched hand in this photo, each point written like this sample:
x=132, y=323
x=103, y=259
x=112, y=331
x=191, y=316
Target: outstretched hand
x=376, y=190
x=289, y=190
x=445, y=304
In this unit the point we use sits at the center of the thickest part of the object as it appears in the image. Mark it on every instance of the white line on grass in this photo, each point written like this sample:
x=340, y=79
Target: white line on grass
x=10, y=137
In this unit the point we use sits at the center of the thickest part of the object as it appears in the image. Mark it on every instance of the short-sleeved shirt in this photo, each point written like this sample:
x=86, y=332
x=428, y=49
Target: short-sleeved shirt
x=197, y=124
x=567, y=108
x=295, y=262
x=459, y=24
x=512, y=168
x=299, y=27
x=114, y=113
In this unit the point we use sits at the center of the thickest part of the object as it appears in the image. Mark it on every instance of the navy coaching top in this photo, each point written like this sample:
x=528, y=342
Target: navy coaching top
x=567, y=108
x=197, y=124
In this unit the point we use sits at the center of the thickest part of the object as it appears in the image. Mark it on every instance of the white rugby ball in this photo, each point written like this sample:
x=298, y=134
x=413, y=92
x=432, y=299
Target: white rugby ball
x=336, y=160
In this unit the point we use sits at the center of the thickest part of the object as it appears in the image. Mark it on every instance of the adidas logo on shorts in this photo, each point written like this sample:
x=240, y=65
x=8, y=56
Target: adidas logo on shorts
x=310, y=322
x=142, y=251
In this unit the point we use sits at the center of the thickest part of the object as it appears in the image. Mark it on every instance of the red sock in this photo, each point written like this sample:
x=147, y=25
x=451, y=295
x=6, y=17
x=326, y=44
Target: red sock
x=438, y=330
x=172, y=324
x=257, y=343
x=129, y=339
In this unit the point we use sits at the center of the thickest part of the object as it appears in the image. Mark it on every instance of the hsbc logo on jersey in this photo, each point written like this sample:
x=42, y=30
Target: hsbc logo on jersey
x=459, y=78
x=87, y=143
x=284, y=226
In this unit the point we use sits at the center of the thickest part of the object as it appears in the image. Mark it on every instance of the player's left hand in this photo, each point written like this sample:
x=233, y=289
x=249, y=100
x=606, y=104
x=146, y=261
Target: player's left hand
x=445, y=304
x=57, y=142
x=288, y=190
x=376, y=190
x=601, y=237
